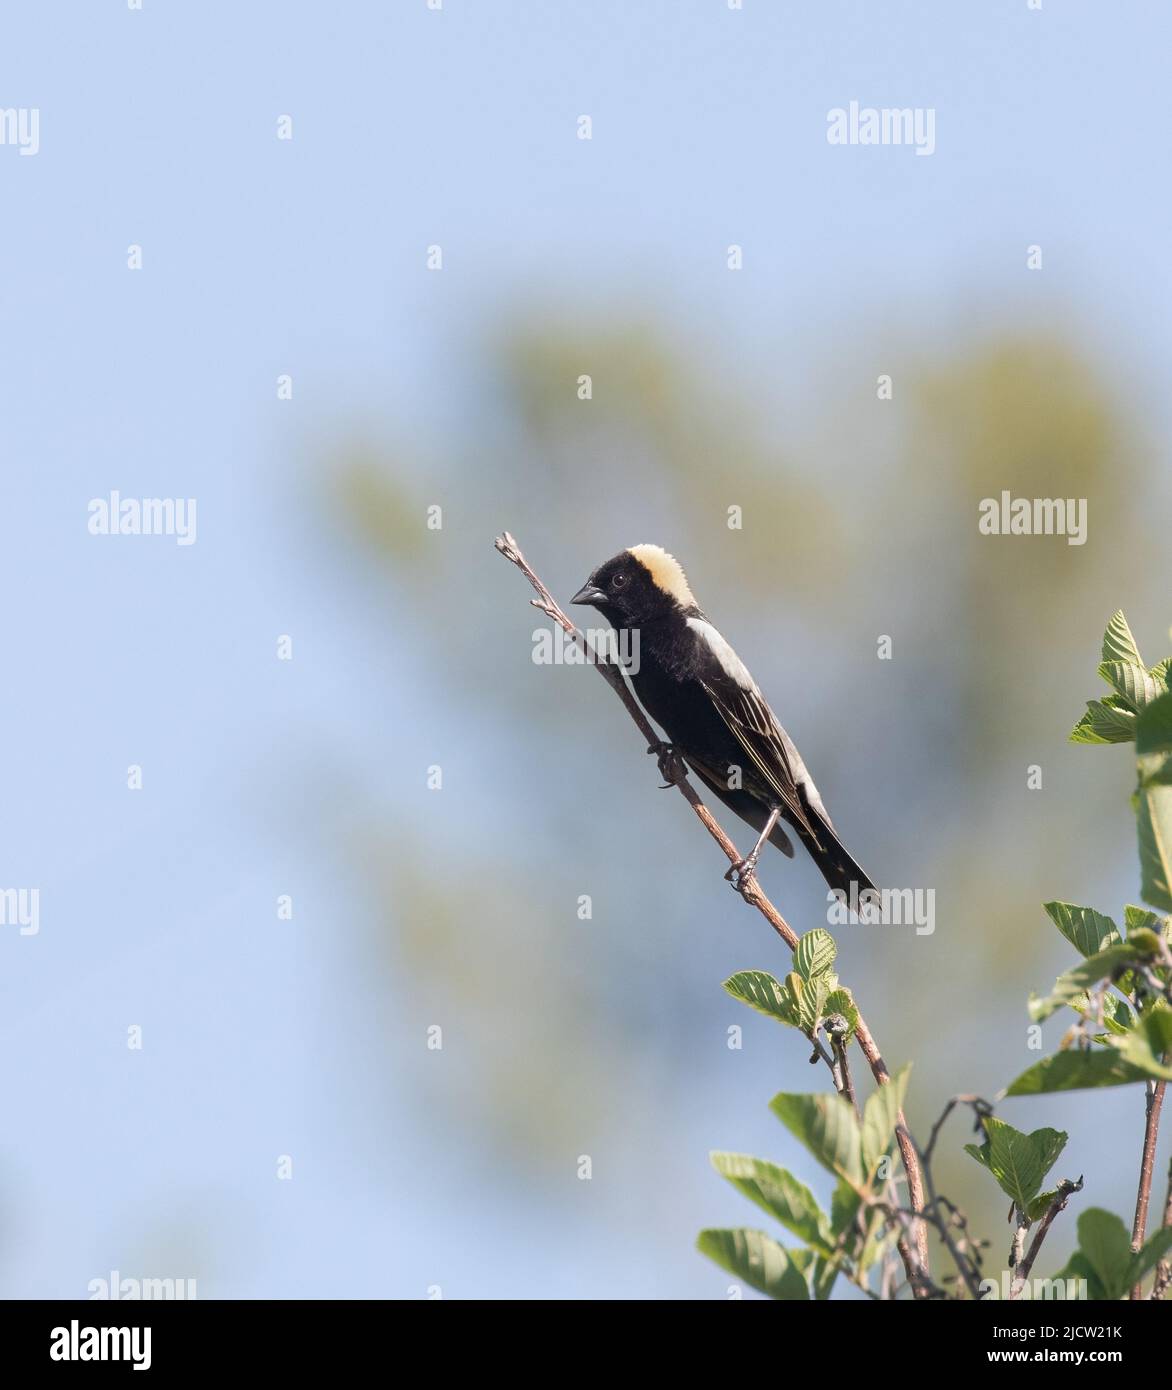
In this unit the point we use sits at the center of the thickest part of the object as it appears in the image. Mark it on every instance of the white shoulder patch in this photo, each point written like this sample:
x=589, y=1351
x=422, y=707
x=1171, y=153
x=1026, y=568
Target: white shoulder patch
x=730, y=662
x=666, y=571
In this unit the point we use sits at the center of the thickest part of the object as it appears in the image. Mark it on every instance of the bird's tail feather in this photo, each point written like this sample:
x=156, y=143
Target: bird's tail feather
x=838, y=868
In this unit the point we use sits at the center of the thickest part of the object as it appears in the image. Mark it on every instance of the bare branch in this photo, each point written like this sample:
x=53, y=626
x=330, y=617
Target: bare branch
x=842, y=1067
x=1164, y=1268
x=1062, y=1194
x=1153, y=1104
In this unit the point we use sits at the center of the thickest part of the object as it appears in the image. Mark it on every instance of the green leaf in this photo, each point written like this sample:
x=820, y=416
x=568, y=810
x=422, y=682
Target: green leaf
x=762, y=992
x=810, y=996
x=828, y=1127
x=1117, y=1016
x=1154, y=824
x=757, y=1259
x=1077, y=1268
x=815, y=953
x=1018, y=1161
x=780, y=1194
x=841, y=1001
x=1146, y=941
x=1152, y=1252
x=825, y=1273
x=1040, y=1204
x=1132, y=683
x=1137, y=918
x=1102, y=965
x=1105, y=1243
x=1153, y=728
x=1087, y=931
x=879, y=1114
x=1160, y=672
x=1146, y=1045
x=1153, y=746
x=844, y=1207
x=1118, y=643
x=1076, y=1071
x=1104, y=723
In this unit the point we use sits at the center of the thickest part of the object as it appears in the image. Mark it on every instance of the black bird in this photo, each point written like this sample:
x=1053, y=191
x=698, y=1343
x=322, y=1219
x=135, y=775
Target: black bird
x=692, y=683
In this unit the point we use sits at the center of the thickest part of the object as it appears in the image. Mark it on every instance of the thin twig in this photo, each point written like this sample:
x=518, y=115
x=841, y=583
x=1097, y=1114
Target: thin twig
x=968, y=1268
x=1164, y=1268
x=1062, y=1194
x=1154, y=1103
x=981, y=1108
x=1017, y=1247
x=842, y=1066
x=748, y=887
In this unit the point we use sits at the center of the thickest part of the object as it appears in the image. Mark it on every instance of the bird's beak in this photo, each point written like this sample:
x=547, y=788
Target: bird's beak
x=590, y=594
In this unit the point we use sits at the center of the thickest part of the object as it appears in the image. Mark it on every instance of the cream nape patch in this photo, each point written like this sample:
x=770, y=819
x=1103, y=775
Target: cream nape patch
x=666, y=571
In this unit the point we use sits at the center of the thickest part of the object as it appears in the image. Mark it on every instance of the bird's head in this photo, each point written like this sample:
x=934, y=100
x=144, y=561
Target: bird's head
x=637, y=586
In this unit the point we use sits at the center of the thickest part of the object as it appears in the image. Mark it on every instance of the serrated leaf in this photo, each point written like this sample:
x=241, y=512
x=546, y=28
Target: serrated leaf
x=1103, y=723
x=1087, y=931
x=1076, y=1071
x=1084, y=976
x=815, y=953
x=811, y=996
x=762, y=992
x=757, y=1259
x=1118, y=643
x=828, y=1127
x=879, y=1115
x=779, y=1193
x=1135, y=918
x=841, y=1001
x=1160, y=672
x=1018, y=1161
x=1131, y=682
x=1105, y=1243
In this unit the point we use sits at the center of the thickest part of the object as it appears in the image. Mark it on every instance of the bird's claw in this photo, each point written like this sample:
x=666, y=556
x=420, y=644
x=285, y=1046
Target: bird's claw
x=742, y=873
x=671, y=765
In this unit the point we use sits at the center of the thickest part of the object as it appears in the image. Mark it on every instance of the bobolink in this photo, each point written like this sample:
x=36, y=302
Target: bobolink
x=692, y=683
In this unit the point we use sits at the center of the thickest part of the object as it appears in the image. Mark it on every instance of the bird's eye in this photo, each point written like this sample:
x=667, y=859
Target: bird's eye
x=618, y=581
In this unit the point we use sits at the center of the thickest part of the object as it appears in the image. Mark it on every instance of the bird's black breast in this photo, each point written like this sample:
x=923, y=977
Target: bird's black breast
x=668, y=682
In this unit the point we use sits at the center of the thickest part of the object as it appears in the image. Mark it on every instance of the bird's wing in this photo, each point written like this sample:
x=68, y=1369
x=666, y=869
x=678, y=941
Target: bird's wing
x=771, y=750
x=744, y=803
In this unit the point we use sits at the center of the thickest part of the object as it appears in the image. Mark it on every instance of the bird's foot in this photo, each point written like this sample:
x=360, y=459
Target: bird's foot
x=671, y=764
x=743, y=873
